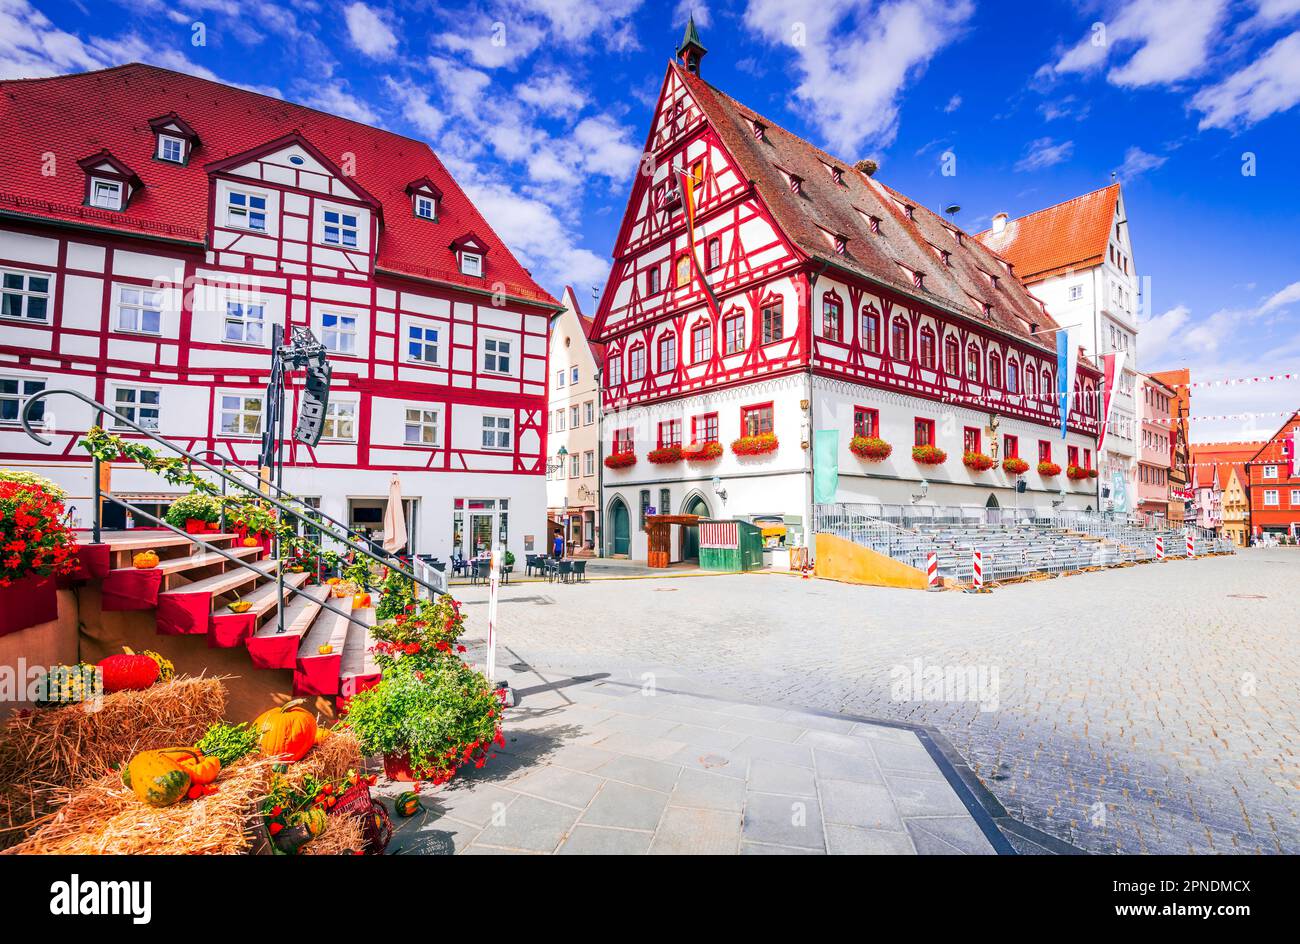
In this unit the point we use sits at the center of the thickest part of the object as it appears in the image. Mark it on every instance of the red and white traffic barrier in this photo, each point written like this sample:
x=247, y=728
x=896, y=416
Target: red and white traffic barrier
x=977, y=565
x=1191, y=545
x=932, y=570
x=1160, y=547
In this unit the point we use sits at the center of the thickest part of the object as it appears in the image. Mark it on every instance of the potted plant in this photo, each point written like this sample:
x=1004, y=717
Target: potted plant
x=420, y=631
x=508, y=562
x=620, y=460
x=702, y=452
x=253, y=520
x=1048, y=469
x=194, y=512
x=929, y=455
x=872, y=448
x=665, y=455
x=1076, y=473
x=1015, y=465
x=35, y=547
x=428, y=720
x=976, y=461
x=757, y=445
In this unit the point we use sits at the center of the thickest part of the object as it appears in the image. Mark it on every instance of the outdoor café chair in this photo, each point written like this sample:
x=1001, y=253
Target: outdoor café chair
x=580, y=571
x=565, y=571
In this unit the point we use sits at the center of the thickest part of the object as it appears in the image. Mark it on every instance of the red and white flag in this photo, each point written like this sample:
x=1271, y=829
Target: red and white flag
x=1112, y=368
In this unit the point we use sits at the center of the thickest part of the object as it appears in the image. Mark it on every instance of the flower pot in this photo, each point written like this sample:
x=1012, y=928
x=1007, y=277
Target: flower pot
x=28, y=601
x=195, y=526
x=398, y=767
x=211, y=527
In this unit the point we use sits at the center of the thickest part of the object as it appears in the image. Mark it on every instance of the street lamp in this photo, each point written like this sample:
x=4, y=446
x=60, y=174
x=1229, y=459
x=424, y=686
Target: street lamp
x=718, y=489
x=558, y=463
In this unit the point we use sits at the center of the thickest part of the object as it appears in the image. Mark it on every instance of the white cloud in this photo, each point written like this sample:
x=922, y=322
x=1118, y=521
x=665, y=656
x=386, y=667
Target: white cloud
x=1137, y=162
x=552, y=92
x=684, y=9
x=953, y=104
x=1045, y=152
x=855, y=58
x=416, y=107
x=335, y=100
x=1281, y=298
x=368, y=31
x=1268, y=85
x=1159, y=338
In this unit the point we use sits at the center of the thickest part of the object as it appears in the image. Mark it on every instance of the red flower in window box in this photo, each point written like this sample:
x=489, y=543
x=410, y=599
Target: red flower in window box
x=755, y=445
x=1076, y=473
x=1015, y=465
x=620, y=460
x=1048, y=469
x=1092, y=473
x=929, y=455
x=702, y=452
x=665, y=455
x=976, y=461
x=870, y=447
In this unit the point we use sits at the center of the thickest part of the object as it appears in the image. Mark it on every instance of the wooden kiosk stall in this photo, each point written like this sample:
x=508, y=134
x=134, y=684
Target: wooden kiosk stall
x=659, y=532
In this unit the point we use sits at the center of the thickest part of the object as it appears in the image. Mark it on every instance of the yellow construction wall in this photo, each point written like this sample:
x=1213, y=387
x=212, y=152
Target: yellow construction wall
x=838, y=559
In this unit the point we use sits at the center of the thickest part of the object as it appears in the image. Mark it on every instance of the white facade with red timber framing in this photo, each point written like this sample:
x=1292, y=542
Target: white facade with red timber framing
x=148, y=275
x=840, y=305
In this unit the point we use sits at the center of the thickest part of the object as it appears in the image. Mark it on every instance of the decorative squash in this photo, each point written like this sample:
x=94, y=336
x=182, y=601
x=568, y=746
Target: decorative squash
x=251, y=541
x=145, y=560
x=288, y=732
x=333, y=580
x=323, y=735
x=130, y=672
x=360, y=601
x=407, y=804
x=313, y=819
x=325, y=649
x=239, y=606
x=156, y=778
x=202, y=770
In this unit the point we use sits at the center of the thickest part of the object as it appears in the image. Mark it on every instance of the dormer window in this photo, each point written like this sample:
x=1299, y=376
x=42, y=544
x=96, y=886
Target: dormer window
x=874, y=223
x=471, y=263
x=837, y=174
x=425, y=198
x=471, y=253
x=171, y=149
x=110, y=184
x=841, y=244
x=424, y=207
x=105, y=194
x=175, y=139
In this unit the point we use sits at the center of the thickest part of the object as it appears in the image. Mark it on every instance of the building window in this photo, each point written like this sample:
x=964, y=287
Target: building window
x=773, y=322
x=995, y=371
x=14, y=393
x=1072, y=456
x=241, y=414
x=1011, y=447
x=924, y=432
x=1076, y=292
x=422, y=344
x=665, y=501
x=139, y=310
x=614, y=368
x=421, y=428
x=623, y=442
x=424, y=207
x=559, y=379
x=589, y=413
x=871, y=331
x=340, y=229
x=1270, y=496
x=831, y=320
x=589, y=462
x=573, y=416
x=683, y=270
x=496, y=432
x=701, y=343
x=339, y=333
x=713, y=253
x=636, y=362
x=245, y=322
x=645, y=506
x=670, y=433
x=171, y=149
x=652, y=281
x=927, y=349
x=246, y=210
x=340, y=421
x=24, y=295
x=471, y=264
x=900, y=339
x=756, y=420
x=667, y=352
x=1044, y=451
x=1013, y=377
x=1295, y=496
x=1270, y=471
x=574, y=461
x=496, y=356
x=558, y=420
x=971, y=441
x=1087, y=458
x=105, y=194
x=704, y=428
x=866, y=422
x=140, y=405
x=573, y=375
x=972, y=363
x=733, y=334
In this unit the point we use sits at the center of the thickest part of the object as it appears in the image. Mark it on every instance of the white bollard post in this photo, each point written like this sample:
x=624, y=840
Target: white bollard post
x=1160, y=547
x=932, y=570
x=1191, y=545
x=977, y=564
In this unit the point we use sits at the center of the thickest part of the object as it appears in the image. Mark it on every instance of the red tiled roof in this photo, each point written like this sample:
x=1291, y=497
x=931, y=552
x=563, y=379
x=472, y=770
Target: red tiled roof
x=824, y=209
x=77, y=115
x=1073, y=234
x=588, y=325
x=1226, y=456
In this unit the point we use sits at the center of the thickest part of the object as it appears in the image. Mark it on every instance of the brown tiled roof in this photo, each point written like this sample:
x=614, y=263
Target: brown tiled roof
x=1226, y=456
x=825, y=209
x=1070, y=235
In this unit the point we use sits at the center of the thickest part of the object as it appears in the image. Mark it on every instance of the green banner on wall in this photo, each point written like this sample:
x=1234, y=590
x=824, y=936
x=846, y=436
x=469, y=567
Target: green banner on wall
x=826, y=465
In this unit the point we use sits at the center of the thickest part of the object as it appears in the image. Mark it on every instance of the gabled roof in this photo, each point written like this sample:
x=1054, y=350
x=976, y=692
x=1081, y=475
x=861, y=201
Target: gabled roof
x=1222, y=459
x=1070, y=235
x=1272, y=450
x=826, y=207
x=424, y=185
x=95, y=161
x=293, y=139
x=73, y=115
x=173, y=120
x=469, y=241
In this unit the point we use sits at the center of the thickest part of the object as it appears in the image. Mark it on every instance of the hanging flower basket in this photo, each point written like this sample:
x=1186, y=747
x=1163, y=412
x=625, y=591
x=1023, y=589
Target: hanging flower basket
x=755, y=445
x=976, y=461
x=929, y=455
x=665, y=455
x=1076, y=473
x=1092, y=473
x=1015, y=465
x=620, y=460
x=702, y=452
x=872, y=448
x=1048, y=469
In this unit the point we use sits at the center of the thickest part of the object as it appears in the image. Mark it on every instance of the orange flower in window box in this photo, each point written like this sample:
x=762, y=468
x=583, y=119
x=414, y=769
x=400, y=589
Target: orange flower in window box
x=665, y=455
x=1048, y=469
x=929, y=455
x=702, y=452
x=1076, y=473
x=976, y=461
x=620, y=460
x=1015, y=465
x=870, y=447
x=758, y=445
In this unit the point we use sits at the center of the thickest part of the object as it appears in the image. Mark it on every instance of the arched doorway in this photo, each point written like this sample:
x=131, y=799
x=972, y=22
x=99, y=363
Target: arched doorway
x=992, y=502
x=695, y=505
x=620, y=530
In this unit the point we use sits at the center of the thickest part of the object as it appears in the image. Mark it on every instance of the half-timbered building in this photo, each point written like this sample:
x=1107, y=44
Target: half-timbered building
x=154, y=226
x=763, y=289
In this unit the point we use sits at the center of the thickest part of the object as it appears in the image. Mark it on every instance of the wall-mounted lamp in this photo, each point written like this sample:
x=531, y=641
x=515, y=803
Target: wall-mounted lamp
x=920, y=496
x=718, y=490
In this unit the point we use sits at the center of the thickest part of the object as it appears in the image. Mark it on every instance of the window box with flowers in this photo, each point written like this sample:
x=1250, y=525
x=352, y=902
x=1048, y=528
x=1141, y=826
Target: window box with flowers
x=1076, y=473
x=620, y=460
x=1048, y=469
x=872, y=448
x=976, y=461
x=929, y=455
x=702, y=452
x=1015, y=465
x=37, y=547
x=758, y=445
x=665, y=455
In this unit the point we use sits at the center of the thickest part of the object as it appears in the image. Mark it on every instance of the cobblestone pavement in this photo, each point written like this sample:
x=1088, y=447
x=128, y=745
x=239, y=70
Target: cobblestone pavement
x=1146, y=709
x=592, y=766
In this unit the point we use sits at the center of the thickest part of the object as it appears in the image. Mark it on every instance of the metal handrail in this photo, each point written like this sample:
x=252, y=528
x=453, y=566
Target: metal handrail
x=102, y=409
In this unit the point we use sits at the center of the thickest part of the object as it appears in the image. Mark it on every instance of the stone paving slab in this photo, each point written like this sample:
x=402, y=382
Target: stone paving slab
x=597, y=767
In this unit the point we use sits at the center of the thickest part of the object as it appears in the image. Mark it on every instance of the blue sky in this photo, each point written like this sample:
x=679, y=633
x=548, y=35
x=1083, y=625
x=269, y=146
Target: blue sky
x=540, y=108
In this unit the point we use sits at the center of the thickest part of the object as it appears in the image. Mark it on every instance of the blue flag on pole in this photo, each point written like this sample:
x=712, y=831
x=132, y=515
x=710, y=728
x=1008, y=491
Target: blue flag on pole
x=1065, y=365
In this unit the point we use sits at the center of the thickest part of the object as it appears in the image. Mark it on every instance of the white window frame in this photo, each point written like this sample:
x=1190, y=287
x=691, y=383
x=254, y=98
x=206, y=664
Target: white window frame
x=588, y=463
x=471, y=264
x=558, y=420
x=494, y=426
x=573, y=375
x=168, y=139
x=424, y=344
x=424, y=420
x=340, y=411
x=1270, y=471
x=241, y=215
x=589, y=413
x=241, y=317
x=26, y=294
x=559, y=379
x=1076, y=292
x=574, y=471
x=116, y=188
x=1295, y=496
x=423, y=200
x=134, y=408
x=341, y=227
x=20, y=396
x=573, y=416
x=492, y=359
x=339, y=331
x=1272, y=496
x=241, y=411
x=139, y=308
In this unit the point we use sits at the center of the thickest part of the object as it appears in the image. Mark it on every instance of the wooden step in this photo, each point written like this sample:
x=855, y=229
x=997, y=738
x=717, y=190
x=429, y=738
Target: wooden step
x=269, y=648
x=178, y=565
x=228, y=580
x=264, y=597
x=358, y=670
x=317, y=673
x=230, y=629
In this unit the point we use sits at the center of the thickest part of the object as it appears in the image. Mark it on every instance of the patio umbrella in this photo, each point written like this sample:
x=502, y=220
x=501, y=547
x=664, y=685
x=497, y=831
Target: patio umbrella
x=394, y=518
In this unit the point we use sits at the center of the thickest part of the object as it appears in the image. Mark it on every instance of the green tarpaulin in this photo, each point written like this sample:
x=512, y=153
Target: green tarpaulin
x=826, y=465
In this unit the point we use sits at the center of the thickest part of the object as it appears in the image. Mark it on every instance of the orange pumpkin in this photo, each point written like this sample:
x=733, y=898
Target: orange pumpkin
x=325, y=649
x=288, y=731
x=251, y=541
x=145, y=560
x=360, y=601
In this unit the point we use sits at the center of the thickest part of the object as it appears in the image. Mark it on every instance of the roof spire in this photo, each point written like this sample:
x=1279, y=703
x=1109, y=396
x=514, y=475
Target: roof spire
x=691, y=51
